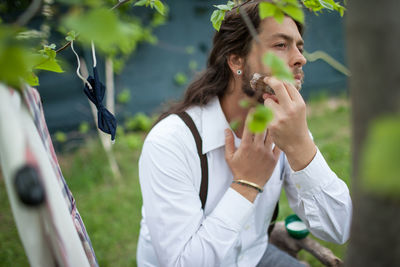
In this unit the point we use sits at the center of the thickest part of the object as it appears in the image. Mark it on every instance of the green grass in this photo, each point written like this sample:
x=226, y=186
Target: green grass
x=111, y=208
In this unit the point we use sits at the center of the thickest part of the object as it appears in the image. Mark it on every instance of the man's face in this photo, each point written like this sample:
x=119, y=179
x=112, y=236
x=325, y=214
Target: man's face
x=285, y=41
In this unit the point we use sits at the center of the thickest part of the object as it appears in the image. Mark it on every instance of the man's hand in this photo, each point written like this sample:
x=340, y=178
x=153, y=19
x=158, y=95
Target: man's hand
x=289, y=130
x=253, y=161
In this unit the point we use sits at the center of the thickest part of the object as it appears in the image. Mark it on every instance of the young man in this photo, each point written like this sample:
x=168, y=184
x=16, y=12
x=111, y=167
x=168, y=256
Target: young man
x=231, y=230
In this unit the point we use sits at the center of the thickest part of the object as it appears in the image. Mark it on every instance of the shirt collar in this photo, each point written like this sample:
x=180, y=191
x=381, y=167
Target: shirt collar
x=213, y=126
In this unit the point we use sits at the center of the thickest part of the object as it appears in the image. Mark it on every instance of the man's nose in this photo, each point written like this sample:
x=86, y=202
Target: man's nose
x=297, y=58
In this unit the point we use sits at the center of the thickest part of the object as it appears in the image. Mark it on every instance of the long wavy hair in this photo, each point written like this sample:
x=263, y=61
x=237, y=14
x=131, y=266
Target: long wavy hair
x=233, y=38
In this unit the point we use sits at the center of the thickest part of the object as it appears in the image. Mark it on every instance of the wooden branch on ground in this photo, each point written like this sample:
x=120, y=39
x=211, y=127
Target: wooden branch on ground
x=280, y=238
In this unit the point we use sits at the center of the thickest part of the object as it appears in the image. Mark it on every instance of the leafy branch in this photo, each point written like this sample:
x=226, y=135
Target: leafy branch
x=115, y=34
x=152, y=3
x=318, y=5
x=278, y=9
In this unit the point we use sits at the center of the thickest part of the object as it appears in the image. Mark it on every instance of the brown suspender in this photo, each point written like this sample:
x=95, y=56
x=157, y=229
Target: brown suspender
x=204, y=167
x=203, y=157
x=273, y=220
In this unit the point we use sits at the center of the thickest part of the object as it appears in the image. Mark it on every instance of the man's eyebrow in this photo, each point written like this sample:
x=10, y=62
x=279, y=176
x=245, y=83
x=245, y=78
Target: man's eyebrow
x=287, y=38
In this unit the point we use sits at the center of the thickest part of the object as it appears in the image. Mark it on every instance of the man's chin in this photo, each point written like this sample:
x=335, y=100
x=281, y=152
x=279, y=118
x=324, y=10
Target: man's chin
x=297, y=84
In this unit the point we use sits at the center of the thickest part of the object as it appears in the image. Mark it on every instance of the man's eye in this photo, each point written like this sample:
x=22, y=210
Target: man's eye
x=281, y=45
x=301, y=49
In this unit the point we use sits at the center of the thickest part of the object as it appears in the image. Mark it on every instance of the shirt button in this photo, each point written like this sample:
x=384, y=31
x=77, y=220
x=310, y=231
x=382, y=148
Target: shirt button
x=298, y=186
x=247, y=227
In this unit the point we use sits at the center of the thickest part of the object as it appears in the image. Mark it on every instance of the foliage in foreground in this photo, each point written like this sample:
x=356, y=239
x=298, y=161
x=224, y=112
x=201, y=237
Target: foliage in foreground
x=111, y=208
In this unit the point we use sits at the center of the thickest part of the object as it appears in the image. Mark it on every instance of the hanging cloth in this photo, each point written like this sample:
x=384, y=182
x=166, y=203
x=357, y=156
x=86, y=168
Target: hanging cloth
x=95, y=91
x=105, y=119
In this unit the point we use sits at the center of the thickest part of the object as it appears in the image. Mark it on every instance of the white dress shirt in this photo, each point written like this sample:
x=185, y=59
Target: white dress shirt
x=231, y=231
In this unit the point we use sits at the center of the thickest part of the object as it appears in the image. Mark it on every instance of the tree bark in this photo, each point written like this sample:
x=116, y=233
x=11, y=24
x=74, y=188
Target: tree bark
x=373, y=36
x=110, y=97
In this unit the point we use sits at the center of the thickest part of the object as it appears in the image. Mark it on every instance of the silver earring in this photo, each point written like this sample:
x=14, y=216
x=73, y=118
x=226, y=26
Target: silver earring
x=239, y=72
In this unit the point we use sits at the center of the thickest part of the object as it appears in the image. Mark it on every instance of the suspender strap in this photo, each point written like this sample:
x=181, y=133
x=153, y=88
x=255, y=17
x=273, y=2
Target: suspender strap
x=273, y=220
x=203, y=157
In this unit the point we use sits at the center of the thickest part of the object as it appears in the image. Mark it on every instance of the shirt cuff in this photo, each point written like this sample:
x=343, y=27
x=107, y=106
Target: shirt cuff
x=317, y=174
x=233, y=209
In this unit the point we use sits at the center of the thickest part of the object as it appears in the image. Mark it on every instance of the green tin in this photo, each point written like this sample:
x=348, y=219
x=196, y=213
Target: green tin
x=300, y=232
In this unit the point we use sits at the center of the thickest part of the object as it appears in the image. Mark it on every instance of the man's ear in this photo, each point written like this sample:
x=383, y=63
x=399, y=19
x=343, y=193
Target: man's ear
x=235, y=63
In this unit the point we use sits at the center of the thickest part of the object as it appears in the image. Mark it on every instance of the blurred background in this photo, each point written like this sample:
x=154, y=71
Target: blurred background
x=155, y=69
x=159, y=72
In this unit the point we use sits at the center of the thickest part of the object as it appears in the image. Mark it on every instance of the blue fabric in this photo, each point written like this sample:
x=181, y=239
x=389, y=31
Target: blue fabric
x=105, y=120
x=274, y=257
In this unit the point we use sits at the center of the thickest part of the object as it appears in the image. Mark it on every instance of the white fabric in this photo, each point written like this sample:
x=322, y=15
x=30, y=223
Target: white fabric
x=232, y=231
x=47, y=232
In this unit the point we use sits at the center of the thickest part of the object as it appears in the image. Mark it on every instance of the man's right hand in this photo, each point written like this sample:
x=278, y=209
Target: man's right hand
x=253, y=161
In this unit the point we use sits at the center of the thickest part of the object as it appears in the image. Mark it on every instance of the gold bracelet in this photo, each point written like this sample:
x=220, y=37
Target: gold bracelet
x=250, y=184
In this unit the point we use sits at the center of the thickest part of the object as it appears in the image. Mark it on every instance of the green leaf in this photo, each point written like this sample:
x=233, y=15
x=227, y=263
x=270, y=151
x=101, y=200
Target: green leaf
x=61, y=137
x=71, y=36
x=159, y=6
x=279, y=15
x=103, y=27
x=31, y=79
x=218, y=15
x=52, y=46
x=230, y=4
x=266, y=10
x=15, y=60
x=259, y=119
x=50, y=65
x=134, y=141
x=314, y=5
x=318, y=5
x=243, y=103
x=124, y=97
x=47, y=60
x=278, y=68
x=180, y=78
x=189, y=49
x=380, y=158
x=226, y=7
x=142, y=3
x=295, y=12
x=341, y=12
x=216, y=18
x=159, y=19
x=193, y=65
x=84, y=127
x=326, y=4
x=234, y=124
x=293, y=2
x=140, y=122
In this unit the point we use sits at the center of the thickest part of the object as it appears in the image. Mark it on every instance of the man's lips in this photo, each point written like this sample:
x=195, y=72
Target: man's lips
x=298, y=77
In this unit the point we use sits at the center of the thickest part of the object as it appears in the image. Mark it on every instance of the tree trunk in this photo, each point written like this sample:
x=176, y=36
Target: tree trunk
x=110, y=99
x=373, y=36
